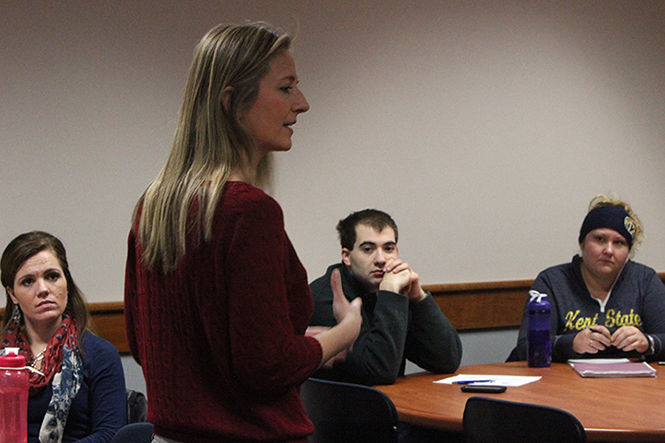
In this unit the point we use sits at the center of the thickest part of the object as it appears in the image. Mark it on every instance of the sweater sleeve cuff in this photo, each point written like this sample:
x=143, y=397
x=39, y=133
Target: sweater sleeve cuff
x=424, y=305
x=393, y=296
x=562, y=348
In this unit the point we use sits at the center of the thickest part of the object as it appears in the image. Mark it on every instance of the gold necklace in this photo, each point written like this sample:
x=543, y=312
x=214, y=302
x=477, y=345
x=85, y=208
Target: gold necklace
x=37, y=359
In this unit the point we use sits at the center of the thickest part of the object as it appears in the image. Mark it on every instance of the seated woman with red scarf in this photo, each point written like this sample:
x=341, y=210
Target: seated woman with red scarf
x=77, y=385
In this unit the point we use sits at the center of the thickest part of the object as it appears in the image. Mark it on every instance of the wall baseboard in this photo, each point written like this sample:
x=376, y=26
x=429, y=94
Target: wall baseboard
x=468, y=306
x=109, y=323
x=485, y=305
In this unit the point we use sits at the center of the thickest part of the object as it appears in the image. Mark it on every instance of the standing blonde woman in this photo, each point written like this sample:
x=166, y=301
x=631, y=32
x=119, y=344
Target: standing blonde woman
x=216, y=300
x=603, y=303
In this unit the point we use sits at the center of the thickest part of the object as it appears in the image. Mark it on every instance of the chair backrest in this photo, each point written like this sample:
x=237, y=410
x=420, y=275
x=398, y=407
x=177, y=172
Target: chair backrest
x=134, y=433
x=348, y=412
x=137, y=407
x=490, y=420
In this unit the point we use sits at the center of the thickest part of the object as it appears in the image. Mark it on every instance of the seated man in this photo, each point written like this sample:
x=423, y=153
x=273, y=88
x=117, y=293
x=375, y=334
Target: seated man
x=400, y=320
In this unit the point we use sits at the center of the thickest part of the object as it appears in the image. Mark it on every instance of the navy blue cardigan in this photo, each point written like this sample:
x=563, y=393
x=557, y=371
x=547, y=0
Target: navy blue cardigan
x=100, y=408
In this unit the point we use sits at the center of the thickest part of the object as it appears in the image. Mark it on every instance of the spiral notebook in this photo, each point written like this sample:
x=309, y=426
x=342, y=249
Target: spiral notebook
x=612, y=367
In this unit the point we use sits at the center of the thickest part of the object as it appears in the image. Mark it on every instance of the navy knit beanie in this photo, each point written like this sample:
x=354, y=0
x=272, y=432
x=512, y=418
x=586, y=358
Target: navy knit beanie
x=611, y=217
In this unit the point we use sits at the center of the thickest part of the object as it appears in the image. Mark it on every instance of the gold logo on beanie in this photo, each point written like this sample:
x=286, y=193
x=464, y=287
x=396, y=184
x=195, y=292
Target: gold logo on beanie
x=629, y=224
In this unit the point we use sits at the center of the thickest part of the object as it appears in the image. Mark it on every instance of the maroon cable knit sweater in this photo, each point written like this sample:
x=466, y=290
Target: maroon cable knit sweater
x=220, y=338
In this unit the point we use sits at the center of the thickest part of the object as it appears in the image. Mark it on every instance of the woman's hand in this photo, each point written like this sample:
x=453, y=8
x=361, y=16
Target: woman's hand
x=337, y=341
x=592, y=339
x=629, y=338
x=342, y=308
x=313, y=331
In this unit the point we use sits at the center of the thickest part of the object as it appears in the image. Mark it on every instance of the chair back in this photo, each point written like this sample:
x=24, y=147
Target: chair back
x=490, y=420
x=137, y=407
x=134, y=433
x=348, y=412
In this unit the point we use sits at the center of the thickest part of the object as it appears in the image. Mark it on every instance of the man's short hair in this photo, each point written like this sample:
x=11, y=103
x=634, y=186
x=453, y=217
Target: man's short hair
x=346, y=228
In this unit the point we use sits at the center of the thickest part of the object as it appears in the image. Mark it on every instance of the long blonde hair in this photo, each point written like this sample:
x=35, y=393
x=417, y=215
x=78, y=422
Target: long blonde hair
x=210, y=140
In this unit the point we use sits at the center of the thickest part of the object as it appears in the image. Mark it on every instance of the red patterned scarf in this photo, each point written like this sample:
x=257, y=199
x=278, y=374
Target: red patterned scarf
x=51, y=364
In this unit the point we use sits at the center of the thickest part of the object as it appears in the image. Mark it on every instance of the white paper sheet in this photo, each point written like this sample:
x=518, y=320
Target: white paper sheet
x=601, y=361
x=484, y=379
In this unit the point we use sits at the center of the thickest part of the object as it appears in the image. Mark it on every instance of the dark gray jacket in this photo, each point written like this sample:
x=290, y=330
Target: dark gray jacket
x=637, y=299
x=393, y=329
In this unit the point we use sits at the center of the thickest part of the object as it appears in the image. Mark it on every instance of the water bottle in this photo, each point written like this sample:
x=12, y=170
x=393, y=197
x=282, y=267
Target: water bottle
x=539, y=344
x=13, y=398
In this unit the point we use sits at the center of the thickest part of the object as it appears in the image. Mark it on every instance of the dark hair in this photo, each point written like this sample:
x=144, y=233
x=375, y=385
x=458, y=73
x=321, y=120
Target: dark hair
x=346, y=228
x=21, y=249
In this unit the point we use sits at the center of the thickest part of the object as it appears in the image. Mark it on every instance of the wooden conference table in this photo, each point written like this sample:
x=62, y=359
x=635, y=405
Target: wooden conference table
x=611, y=409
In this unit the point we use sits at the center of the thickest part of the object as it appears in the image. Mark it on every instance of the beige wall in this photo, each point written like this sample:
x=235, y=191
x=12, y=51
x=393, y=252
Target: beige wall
x=483, y=127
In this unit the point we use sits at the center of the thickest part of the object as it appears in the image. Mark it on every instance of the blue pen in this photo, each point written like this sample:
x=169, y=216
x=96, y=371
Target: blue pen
x=468, y=382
